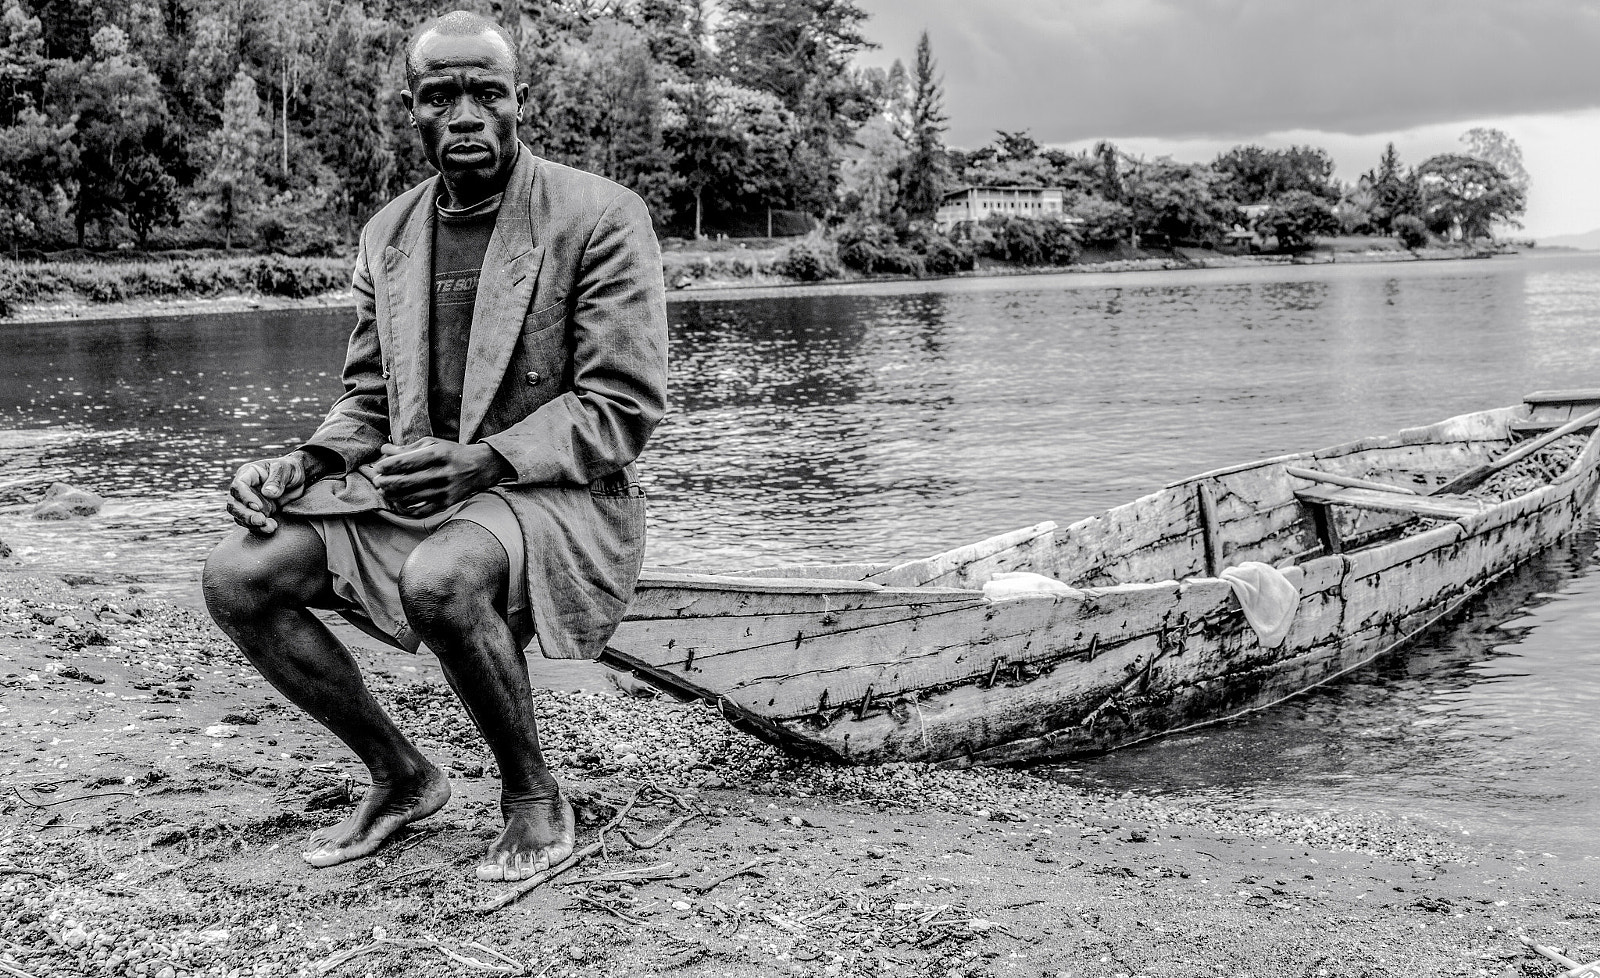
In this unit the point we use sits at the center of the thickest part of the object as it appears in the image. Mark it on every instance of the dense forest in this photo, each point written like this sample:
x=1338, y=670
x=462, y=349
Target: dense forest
x=277, y=125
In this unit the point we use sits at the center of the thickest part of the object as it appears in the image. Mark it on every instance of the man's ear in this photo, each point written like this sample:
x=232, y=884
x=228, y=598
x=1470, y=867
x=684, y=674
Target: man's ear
x=406, y=97
x=522, y=99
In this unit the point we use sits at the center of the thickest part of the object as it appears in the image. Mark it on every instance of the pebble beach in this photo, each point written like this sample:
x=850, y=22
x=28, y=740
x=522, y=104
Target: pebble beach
x=156, y=792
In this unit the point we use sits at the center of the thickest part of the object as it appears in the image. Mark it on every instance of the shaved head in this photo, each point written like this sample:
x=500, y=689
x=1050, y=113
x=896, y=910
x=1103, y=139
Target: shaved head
x=459, y=23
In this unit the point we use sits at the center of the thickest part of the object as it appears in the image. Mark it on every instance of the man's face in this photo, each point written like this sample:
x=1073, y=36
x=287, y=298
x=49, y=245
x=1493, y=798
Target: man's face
x=466, y=102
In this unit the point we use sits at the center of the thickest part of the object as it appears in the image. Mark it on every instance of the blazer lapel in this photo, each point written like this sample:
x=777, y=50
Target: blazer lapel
x=408, y=266
x=505, y=288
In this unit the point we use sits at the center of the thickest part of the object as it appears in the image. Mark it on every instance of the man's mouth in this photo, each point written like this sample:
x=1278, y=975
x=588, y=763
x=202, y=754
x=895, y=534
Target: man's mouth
x=470, y=154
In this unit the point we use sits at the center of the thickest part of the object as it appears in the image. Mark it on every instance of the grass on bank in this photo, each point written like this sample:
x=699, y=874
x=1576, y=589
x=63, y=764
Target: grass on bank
x=25, y=282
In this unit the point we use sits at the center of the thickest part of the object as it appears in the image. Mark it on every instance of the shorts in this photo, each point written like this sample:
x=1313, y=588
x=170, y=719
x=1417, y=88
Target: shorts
x=366, y=552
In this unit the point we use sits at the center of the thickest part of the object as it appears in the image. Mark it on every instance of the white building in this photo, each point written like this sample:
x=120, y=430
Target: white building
x=977, y=203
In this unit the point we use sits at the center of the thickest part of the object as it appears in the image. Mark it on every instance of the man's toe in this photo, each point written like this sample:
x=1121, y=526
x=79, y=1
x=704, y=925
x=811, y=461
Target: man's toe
x=491, y=872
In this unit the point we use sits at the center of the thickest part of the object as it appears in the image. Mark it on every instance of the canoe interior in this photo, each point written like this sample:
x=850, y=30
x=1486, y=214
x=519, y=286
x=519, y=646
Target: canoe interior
x=868, y=662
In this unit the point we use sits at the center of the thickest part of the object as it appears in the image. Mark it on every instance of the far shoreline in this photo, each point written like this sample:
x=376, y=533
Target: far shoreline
x=62, y=311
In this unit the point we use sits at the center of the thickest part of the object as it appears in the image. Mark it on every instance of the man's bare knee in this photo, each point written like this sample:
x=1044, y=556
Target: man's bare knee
x=453, y=578
x=247, y=575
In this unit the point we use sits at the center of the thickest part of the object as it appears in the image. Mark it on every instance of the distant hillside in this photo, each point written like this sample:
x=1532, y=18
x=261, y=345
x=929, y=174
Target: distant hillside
x=1583, y=242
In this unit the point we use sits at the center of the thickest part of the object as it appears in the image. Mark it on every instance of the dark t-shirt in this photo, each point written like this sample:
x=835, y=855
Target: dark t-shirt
x=460, y=238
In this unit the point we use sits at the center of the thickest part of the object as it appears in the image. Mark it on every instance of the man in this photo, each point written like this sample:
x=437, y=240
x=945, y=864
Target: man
x=474, y=483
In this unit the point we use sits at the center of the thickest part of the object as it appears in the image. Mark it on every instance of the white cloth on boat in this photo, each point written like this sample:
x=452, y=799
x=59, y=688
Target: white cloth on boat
x=1269, y=597
x=1015, y=584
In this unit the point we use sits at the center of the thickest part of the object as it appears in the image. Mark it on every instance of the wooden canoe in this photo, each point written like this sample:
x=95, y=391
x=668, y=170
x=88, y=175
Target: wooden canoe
x=869, y=663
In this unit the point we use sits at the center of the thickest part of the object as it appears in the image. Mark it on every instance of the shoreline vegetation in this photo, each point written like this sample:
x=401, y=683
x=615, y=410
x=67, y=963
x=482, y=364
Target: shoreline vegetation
x=202, y=284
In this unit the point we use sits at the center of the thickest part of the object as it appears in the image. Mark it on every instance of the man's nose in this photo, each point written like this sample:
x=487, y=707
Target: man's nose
x=466, y=117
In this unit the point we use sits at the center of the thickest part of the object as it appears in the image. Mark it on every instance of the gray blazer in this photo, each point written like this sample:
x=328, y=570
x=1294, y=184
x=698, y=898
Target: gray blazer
x=566, y=377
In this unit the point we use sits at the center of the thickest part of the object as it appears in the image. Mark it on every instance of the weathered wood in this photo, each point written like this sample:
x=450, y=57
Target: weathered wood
x=1538, y=427
x=1588, y=396
x=1476, y=477
x=1435, y=507
x=1211, y=534
x=707, y=596
x=1335, y=479
x=830, y=572
x=1027, y=549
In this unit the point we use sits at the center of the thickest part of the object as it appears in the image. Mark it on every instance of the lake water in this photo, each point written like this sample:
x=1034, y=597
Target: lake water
x=884, y=421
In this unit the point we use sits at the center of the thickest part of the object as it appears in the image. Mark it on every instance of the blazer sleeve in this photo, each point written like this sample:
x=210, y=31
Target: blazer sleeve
x=618, y=333
x=358, y=423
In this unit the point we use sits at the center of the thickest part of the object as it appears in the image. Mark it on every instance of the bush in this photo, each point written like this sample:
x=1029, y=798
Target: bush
x=872, y=248
x=811, y=259
x=100, y=281
x=1029, y=240
x=940, y=254
x=1411, y=231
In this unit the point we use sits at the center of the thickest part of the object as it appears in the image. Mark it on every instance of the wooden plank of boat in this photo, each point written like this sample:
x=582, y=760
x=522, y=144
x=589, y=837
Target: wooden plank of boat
x=669, y=595
x=1408, y=504
x=1029, y=547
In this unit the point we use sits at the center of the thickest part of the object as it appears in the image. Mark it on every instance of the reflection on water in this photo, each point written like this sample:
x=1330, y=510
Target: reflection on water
x=896, y=419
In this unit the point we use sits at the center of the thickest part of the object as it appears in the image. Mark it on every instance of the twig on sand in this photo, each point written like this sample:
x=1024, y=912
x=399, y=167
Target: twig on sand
x=23, y=871
x=410, y=872
x=539, y=879
x=63, y=801
x=751, y=867
x=511, y=967
x=14, y=971
x=660, y=871
x=609, y=908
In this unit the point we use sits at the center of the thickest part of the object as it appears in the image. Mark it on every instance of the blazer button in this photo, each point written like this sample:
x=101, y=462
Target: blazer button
x=533, y=376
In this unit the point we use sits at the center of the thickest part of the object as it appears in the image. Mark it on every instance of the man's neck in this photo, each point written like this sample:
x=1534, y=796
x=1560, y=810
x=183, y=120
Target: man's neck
x=463, y=190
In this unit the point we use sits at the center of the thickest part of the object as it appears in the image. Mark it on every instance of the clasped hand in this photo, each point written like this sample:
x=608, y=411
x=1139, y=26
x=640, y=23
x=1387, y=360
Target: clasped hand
x=425, y=477
x=430, y=475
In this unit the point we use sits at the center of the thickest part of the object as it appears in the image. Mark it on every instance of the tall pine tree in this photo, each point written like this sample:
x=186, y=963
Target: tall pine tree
x=925, y=172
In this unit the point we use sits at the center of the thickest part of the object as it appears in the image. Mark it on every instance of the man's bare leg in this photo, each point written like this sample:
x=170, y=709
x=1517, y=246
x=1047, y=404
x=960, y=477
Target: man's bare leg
x=453, y=589
x=258, y=589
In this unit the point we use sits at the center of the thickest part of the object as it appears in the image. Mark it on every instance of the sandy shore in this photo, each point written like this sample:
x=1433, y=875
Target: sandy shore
x=78, y=308
x=156, y=792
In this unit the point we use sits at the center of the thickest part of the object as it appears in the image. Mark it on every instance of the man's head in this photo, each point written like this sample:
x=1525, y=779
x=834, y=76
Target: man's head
x=462, y=90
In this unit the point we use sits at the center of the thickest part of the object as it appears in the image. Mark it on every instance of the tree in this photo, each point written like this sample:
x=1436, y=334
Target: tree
x=731, y=144
x=1015, y=145
x=22, y=62
x=1297, y=218
x=1495, y=147
x=119, y=117
x=800, y=51
x=923, y=174
x=1394, y=192
x=149, y=196
x=233, y=185
x=1467, y=196
x=1111, y=187
x=1255, y=174
x=348, y=129
x=1179, y=200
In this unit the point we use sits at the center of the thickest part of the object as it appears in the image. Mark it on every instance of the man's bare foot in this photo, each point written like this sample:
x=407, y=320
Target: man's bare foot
x=387, y=808
x=539, y=833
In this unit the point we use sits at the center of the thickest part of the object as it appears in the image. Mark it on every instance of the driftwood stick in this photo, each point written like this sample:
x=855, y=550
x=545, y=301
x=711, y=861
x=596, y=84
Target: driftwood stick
x=24, y=871
x=1333, y=479
x=750, y=867
x=64, y=801
x=661, y=836
x=1550, y=953
x=14, y=971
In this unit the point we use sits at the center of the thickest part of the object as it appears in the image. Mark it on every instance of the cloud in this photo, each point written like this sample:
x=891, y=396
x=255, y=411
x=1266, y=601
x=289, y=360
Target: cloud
x=1071, y=70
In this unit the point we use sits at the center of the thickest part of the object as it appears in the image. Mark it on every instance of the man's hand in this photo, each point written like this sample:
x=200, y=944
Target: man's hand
x=431, y=474
x=259, y=488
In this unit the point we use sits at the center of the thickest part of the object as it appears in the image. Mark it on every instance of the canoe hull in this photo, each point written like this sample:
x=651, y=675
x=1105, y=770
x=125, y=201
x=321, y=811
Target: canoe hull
x=943, y=675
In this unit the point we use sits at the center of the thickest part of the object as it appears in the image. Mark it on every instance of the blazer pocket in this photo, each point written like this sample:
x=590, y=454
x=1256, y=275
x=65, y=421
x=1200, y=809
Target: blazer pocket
x=555, y=312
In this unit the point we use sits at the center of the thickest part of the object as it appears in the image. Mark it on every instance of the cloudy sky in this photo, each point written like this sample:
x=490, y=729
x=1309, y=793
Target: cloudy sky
x=1190, y=78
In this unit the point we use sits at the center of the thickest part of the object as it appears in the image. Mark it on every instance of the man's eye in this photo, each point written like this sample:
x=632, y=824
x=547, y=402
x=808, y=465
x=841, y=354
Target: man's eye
x=488, y=96
x=439, y=101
